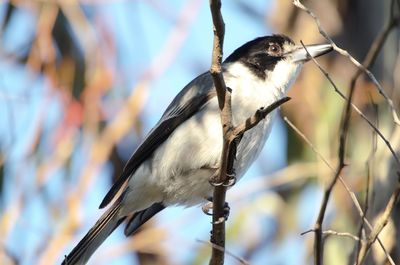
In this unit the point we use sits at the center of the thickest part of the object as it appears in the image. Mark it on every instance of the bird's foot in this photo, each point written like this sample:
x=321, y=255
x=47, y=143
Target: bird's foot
x=229, y=181
x=207, y=209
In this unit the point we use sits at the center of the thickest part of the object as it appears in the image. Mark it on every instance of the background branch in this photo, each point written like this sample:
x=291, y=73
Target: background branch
x=352, y=59
x=371, y=56
x=352, y=195
x=379, y=225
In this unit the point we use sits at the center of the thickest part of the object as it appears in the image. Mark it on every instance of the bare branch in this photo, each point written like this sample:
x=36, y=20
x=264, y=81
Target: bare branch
x=309, y=143
x=257, y=117
x=351, y=194
x=343, y=234
x=224, y=101
x=239, y=259
x=319, y=242
x=368, y=62
x=352, y=59
x=217, y=53
x=359, y=112
x=380, y=224
x=343, y=135
x=377, y=44
x=318, y=248
x=334, y=233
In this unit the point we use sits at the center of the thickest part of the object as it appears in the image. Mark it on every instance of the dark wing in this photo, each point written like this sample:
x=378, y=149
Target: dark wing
x=192, y=98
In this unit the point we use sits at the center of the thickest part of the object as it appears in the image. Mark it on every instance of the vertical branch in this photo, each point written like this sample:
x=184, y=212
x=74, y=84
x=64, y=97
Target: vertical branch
x=224, y=100
x=231, y=136
x=217, y=53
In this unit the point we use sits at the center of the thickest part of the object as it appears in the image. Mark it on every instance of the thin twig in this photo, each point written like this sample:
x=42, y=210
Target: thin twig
x=257, y=117
x=352, y=59
x=332, y=232
x=378, y=132
x=353, y=197
x=343, y=234
x=239, y=259
x=302, y=135
x=318, y=243
x=359, y=112
x=368, y=61
x=378, y=43
x=217, y=53
x=318, y=247
x=380, y=224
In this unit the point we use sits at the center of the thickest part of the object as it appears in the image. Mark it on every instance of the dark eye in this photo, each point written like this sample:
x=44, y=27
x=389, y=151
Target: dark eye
x=274, y=49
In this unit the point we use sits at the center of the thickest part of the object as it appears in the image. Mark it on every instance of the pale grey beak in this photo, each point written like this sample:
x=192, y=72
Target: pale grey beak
x=315, y=50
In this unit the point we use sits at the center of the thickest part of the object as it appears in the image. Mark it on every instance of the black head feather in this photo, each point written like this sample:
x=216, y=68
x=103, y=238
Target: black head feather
x=261, y=54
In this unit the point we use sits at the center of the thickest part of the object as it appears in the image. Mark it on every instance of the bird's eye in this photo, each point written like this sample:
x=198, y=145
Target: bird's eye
x=274, y=49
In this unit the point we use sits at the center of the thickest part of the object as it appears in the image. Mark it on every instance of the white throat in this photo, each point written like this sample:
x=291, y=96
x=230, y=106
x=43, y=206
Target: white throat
x=283, y=76
x=252, y=92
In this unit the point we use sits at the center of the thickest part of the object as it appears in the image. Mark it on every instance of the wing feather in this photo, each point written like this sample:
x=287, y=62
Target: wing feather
x=188, y=102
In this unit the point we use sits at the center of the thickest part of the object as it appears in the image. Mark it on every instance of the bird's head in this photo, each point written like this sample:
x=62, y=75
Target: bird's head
x=275, y=57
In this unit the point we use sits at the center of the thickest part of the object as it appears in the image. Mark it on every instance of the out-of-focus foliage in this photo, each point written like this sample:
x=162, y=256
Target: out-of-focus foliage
x=81, y=82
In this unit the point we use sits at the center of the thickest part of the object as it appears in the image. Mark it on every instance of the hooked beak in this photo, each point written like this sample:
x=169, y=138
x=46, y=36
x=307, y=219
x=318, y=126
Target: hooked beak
x=315, y=50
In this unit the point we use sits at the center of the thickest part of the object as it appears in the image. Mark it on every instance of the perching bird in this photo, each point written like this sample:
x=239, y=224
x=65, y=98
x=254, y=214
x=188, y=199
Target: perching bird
x=174, y=163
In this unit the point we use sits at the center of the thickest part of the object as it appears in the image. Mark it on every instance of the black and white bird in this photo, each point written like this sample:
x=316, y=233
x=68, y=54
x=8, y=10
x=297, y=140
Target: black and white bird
x=174, y=163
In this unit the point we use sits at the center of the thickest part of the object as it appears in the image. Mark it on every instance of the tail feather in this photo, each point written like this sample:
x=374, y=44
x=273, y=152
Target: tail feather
x=95, y=237
x=142, y=217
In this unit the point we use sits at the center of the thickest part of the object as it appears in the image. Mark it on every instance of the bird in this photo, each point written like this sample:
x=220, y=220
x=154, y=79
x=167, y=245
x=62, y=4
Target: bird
x=173, y=164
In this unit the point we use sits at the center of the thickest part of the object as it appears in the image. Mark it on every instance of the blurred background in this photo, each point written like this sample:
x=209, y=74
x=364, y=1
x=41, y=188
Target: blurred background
x=83, y=81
